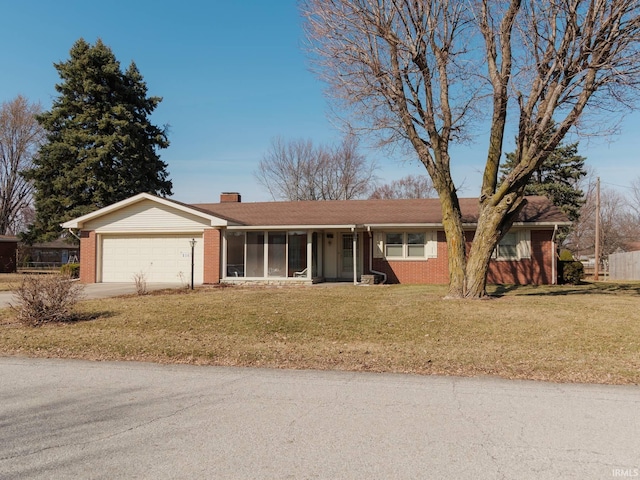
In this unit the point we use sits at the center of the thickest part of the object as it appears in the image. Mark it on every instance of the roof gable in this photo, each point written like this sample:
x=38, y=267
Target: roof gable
x=144, y=201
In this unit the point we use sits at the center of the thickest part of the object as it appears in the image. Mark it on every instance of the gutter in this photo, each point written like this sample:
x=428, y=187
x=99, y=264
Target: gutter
x=384, y=275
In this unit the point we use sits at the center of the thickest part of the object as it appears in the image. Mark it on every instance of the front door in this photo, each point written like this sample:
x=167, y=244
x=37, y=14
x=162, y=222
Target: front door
x=346, y=256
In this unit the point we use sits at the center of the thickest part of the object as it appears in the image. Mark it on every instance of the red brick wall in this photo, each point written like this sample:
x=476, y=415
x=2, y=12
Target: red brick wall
x=212, y=252
x=432, y=270
x=536, y=270
x=88, y=261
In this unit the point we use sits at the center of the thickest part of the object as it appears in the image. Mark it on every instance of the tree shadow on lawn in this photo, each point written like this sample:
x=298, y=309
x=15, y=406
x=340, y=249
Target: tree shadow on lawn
x=87, y=316
x=73, y=318
x=583, y=288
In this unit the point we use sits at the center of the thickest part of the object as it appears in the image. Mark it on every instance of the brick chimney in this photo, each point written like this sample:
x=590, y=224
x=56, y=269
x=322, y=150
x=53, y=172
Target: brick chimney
x=230, y=197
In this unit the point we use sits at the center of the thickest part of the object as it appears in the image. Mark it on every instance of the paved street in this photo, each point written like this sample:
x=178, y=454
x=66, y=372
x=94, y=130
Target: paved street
x=75, y=419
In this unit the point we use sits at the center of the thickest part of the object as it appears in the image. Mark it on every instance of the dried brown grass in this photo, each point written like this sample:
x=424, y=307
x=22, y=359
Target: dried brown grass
x=588, y=333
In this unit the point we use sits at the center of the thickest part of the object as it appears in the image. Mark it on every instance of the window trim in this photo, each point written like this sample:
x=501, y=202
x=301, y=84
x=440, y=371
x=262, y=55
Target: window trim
x=405, y=245
x=522, y=247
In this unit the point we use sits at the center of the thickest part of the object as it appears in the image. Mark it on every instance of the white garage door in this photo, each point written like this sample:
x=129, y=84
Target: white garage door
x=161, y=258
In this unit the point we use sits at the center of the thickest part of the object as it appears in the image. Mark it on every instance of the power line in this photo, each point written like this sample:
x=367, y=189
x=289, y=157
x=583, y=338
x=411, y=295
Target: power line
x=616, y=185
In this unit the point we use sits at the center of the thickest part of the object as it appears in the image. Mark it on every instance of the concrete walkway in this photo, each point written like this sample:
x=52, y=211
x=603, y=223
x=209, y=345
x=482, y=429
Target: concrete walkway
x=69, y=419
x=102, y=290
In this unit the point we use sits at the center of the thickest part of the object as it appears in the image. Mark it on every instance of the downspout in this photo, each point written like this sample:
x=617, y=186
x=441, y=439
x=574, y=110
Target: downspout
x=71, y=232
x=554, y=256
x=384, y=275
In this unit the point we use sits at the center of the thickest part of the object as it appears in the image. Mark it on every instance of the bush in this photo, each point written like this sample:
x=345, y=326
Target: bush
x=566, y=255
x=71, y=270
x=140, y=280
x=571, y=272
x=42, y=299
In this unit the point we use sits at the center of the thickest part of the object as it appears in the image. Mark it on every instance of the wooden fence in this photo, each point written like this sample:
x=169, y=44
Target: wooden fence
x=624, y=266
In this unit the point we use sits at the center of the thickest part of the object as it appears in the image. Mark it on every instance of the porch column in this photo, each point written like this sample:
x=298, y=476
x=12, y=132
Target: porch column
x=309, y=255
x=355, y=257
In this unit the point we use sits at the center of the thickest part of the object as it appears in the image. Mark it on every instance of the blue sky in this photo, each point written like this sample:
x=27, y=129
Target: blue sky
x=233, y=76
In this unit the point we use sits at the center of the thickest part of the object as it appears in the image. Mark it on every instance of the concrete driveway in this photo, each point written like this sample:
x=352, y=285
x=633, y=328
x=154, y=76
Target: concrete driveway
x=102, y=290
x=76, y=419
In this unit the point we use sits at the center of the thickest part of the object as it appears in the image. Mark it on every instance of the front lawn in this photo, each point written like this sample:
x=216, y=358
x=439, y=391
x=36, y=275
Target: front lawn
x=589, y=333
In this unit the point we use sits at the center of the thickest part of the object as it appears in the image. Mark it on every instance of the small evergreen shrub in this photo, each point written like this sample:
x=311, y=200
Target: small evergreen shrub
x=42, y=299
x=566, y=256
x=71, y=270
x=570, y=272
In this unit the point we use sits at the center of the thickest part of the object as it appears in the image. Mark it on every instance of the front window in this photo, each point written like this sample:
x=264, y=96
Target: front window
x=297, y=256
x=405, y=245
x=395, y=245
x=508, y=246
x=415, y=244
x=235, y=254
x=258, y=254
x=277, y=254
x=255, y=254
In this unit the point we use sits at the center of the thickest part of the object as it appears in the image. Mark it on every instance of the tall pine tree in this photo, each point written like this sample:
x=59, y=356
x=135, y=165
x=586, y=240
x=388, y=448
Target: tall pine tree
x=101, y=145
x=558, y=178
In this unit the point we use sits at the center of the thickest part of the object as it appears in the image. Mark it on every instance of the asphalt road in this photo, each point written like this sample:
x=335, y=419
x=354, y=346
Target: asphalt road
x=82, y=420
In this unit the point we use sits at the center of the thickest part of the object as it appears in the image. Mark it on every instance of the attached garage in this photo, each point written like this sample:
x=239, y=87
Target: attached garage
x=160, y=258
x=151, y=236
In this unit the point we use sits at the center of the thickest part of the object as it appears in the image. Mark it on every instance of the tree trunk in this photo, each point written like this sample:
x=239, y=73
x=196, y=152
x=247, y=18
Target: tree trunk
x=456, y=245
x=477, y=268
x=494, y=222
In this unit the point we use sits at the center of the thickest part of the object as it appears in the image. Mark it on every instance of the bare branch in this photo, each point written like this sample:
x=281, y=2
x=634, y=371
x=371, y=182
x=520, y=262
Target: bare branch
x=20, y=138
x=299, y=171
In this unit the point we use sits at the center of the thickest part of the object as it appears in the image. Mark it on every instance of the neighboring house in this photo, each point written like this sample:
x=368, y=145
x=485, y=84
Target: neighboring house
x=48, y=254
x=300, y=242
x=8, y=250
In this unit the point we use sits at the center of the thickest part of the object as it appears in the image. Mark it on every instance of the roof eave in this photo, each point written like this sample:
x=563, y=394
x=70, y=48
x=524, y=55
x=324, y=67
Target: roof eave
x=291, y=227
x=80, y=221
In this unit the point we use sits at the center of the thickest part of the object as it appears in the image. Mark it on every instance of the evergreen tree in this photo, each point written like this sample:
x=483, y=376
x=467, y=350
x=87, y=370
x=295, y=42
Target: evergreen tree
x=101, y=145
x=558, y=178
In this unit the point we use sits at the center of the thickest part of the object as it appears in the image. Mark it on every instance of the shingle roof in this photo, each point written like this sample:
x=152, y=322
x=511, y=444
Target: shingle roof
x=366, y=212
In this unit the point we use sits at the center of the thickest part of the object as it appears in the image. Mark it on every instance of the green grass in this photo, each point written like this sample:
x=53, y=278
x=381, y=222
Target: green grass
x=588, y=333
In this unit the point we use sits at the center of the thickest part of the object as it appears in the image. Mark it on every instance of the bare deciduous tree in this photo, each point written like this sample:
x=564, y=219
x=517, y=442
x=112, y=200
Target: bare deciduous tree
x=619, y=226
x=411, y=186
x=296, y=170
x=20, y=138
x=635, y=197
x=421, y=71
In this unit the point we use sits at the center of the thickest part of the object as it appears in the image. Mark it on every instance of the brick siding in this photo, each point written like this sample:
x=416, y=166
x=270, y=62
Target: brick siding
x=88, y=260
x=212, y=253
x=537, y=270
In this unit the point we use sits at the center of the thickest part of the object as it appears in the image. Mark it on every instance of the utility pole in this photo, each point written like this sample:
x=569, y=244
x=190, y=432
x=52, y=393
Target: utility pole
x=596, y=271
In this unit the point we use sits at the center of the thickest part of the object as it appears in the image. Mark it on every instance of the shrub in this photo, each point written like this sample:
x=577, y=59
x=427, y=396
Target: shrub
x=70, y=269
x=140, y=280
x=571, y=272
x=42, y=299
x=566, y=255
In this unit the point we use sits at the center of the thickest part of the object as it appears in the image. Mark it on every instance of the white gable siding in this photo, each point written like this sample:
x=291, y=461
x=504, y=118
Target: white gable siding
x=147, y=216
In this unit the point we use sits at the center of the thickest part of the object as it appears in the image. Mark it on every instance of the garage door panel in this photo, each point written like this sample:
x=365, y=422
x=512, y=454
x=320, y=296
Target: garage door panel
x=161, y=258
